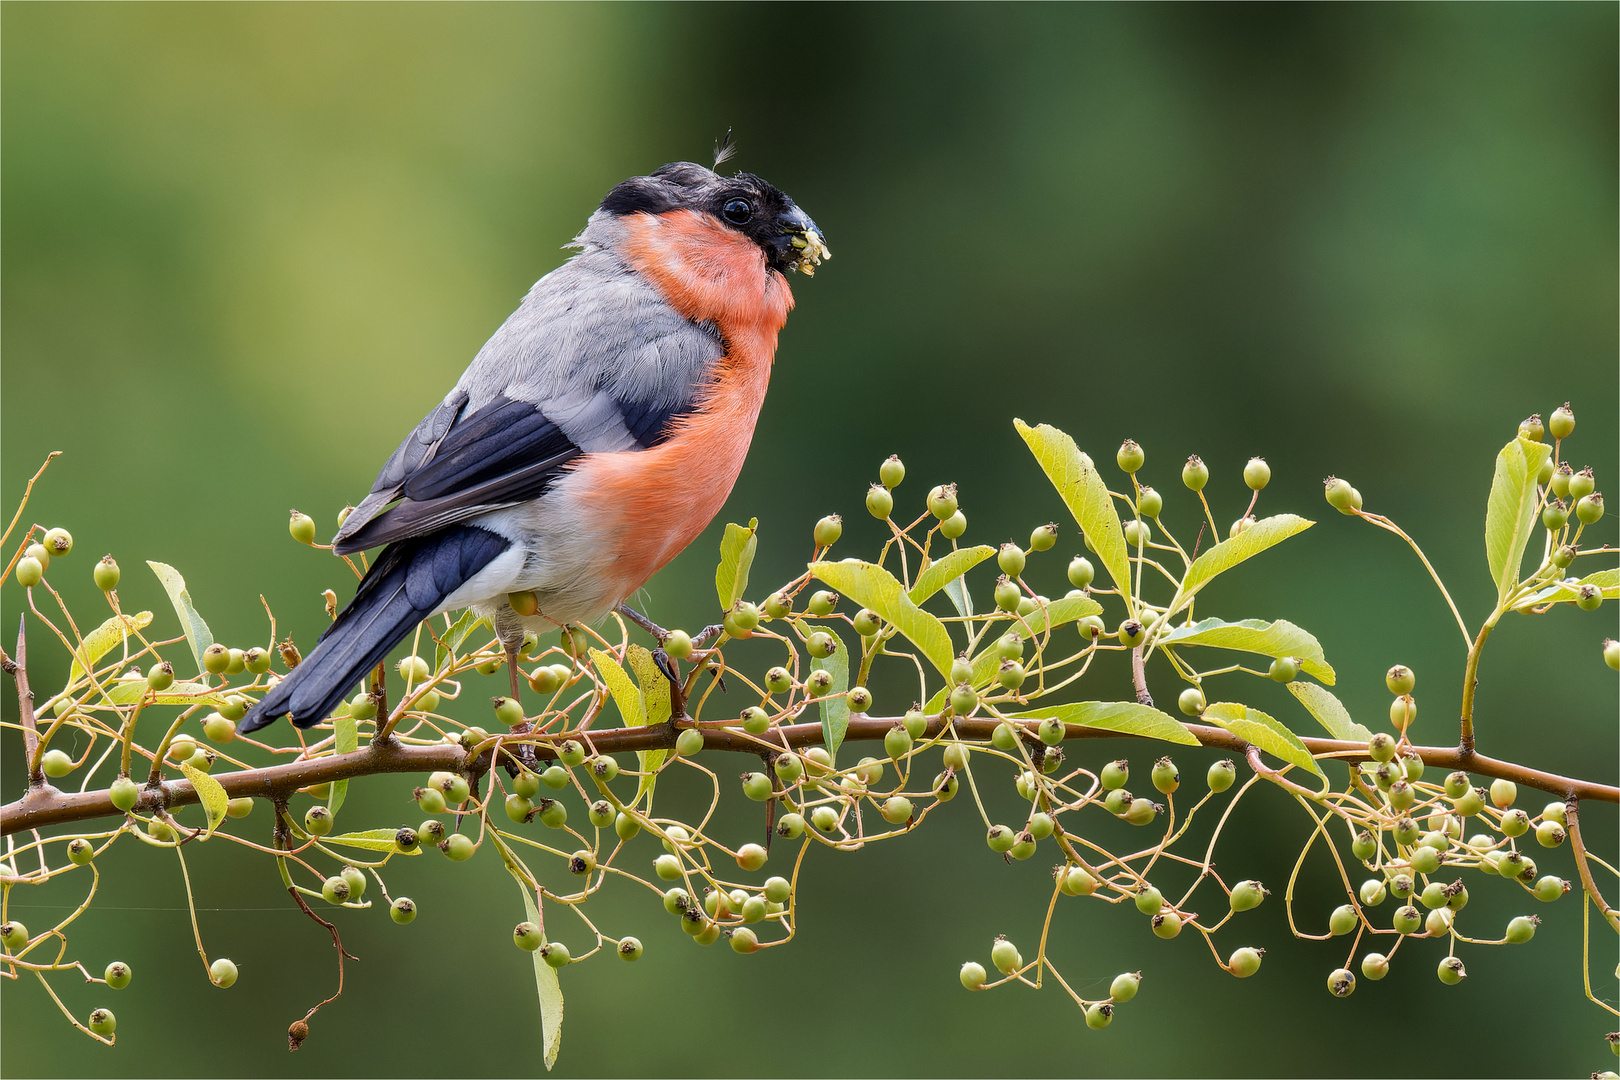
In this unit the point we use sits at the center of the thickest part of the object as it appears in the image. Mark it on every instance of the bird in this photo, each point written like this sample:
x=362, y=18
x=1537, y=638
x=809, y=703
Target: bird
x=592, y=438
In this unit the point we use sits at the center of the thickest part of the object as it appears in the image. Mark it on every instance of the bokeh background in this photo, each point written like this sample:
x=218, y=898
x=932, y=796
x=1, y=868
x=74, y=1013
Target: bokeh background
x=246, y=247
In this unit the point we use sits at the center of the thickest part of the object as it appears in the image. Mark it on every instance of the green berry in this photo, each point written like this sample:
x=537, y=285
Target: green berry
x=1149, y=503
x=106, y=573
x=527, y=936
x=1589, y=598
x=1130, y=456
x=102, y=1022
x=1381, y=747
x=1373, y=892
x=1240, y=526
x=689, y=742
x=1550, y=888
x=1195, y=474
x=954, y=526
x=1131, y=633
x=963, y=700
x=1563, y=556
x=1611, y=653
x=1166, y=925
x=896, y=810
x=879, y=503
x=555, y=953
x=1425, y=860
x=118, y=975
x=1011, y=559
x=1562, y=422
x=1115, y=774
x=1341, y=983
x=824, y=818
x=1141, y=812
x=788, y=767
x=1051, y=730
x=335, y=890
x=1044, y=537
x=1582, y=484
x=1007, y=595
x=56, y=763
x=517, y=808
x=222, y=973
x=1191, y=702
x=1407, y=920
x=30, y=571
x=828, y=530
x=1165, y=777
x=1000, y=838
x=1284, y=669
x=80, y=851
x=1149, y=901
x=1554, y=515
x=1247, y=895
x=751, y=857
x=942, y=501
x=318, y=821
x=604, y=767
x=1081, y=572
x=1451, y=971
x=973, y=976
x=1522, y=928
x=1256, y=474
x=630, y=949
x=1531, y=428
x=896, y=742
x=1099, y=1016
x=1470, y=804
x=1138, y=534
x=1222, y=775
x=430, y=833
x=402, y=910
x=892, y=471
x=460, y=848
x=821, y=644
x=125, y=793
x=1549, y=834
x=790, y=826
x=1343, y=920
x=430, y=800
x=1374, y=966
x=757, y=786
x=1005, y=956
x=1245, y=962
x=1363, y=846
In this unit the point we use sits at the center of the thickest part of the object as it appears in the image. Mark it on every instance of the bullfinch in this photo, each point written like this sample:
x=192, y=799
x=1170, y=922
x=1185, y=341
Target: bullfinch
x=592, y=438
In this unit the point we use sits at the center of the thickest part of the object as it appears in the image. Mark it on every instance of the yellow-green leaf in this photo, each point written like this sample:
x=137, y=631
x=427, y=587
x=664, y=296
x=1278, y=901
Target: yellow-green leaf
x=656, y=702
x=1059, y=612
x=1245, y=545
x=545, y=983
x=1274, y=639
x=103, y=640
x=210, y=794
x=1070, y=470
x=736, y=559
x=450, y=643
x=345, y=740
x=1257, y=729
x=941, y=572
x=1607, y=582
x=625, y=694
x=834, y=707
x=1510, y=512
x=198, y=636
x=1329, y=712
x=874, y=587
x=370, y=840
x=180, y=693
x=1125, y=717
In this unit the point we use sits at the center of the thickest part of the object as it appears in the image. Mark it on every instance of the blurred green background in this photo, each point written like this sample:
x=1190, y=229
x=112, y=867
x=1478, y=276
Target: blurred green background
x=246, y=247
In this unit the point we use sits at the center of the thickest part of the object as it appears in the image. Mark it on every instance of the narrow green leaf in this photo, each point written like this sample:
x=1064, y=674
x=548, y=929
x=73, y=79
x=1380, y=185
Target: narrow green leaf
x=1125, y=717
x=834, y=709
x=1272, y=639
x=962, y=600
x=625, y=694
x=210, y=794
x=198, y=636
x=453, y=638
x=1245, y=545
x=1510, y=512
x=180, y=693
x=941, y=572
x=1084, y=493
x=736, y=559
x=656, y=701
x=1257, y=729
x=545, y=984
x=345, y=740
x=103, y=640
x=1329, y=712
x=369, y=840
x=874, y=587
x=1607, y=582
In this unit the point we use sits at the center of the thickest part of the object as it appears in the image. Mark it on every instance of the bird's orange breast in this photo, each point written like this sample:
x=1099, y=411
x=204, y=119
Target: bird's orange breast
x=653, y=503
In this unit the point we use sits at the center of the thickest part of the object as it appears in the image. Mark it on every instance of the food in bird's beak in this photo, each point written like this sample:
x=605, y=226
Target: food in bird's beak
x=811, y=252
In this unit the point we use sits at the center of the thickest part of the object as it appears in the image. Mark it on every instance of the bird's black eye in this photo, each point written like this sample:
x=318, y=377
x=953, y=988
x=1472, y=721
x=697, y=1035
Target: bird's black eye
x=737, y=211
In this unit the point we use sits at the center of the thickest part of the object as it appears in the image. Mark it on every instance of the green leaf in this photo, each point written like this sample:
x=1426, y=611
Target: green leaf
x=454, y=637
x=103, y=640
x=345, y=740
x=835, y=707
x=210, y=794
x=1245, y=545
x=1257, y=729
x=941, y=572
x=1084, y=493
x=1568, y=591
x=1272, y=639
x=874, y=587
x=656, y=701
x=736, y=559
x=180, y=693
x=545, y=983
x=625, y=694
x=1329, y=712
x=1124, y=717
x=961, y=599
x=369, y=840
x=1059, y=612
x=1510, y=512
x=198, y=636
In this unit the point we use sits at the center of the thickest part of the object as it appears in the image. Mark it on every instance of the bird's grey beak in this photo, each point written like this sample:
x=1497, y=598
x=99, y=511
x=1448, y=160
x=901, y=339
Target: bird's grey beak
x=800, y=246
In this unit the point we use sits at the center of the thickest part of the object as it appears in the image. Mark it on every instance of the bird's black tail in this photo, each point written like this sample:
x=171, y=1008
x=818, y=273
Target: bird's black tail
x=408, y=582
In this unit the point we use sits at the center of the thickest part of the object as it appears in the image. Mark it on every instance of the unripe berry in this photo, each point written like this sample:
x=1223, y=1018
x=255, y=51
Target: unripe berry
x=604, y=767
x=1115, y=774
x=106, y=574
x=1550, y=888
x=1338, y=494
x=1558, y=483
x=222, y=973
x=896, y=742
x=896, y=810
x=1589, y=509
x=1165, y=777
x=1456, y=785
x=1563, y=556
x=1407, y=920
x=1167, y=925
x=600, y=813
x=55, y=763
x=517, y=808
x=1284, y=669
x=1503, y=794
x=819, y=684
x=1531, y=428
x=1562, y=422
x=1582, y=484
x=1149, y=503
x=1245, y=962
x=1589, y=598
x=824, y=818
x=1425, y=860
x=334, y=890
x=1051, y=730
x=1469, y=804
x=973, y=976
x=1241, y=525
x=1081, y=572
x=828, y=530
x=1363, y=846
x=1256, y=474
x=1221, y=776
x=1007, y=595
x=1373, y=892
x=430, y=800
x=942, y=501
x=1554, y=514
x=102, y=1022
x=751, y=857
x=879, y=502
x=318, y=821
x=1522, y=928
x=302, y=528
x=1150, y=901
x=1343, y=920
x=1099, y=1016
x=963, y=700
x=954, y=526
x=821, y=644
x=1549, y=834
x=1131, y=633
x=125, y=793
x=460, y=848
x=1403, y=712
x=1191, y=702
x=1195, y=474
x=1451, y=971
x=689, y=742
x=1341, y=983
x=757, y=786
x=1374, y=966
x=1141, y=812
x=555, y=953
x=1247, y=895
x=1130, y=456
x=1005, y=956
x=1000, y=838
x=1011, y=559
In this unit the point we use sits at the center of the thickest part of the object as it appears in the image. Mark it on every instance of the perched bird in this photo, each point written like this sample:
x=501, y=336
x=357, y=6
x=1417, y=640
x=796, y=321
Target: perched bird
x=593, y=437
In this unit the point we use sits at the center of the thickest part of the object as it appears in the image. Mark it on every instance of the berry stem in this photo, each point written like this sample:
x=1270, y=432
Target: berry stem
x=1572, y=827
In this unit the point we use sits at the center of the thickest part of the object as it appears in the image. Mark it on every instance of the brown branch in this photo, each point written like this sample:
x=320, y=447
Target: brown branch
x=18, y=670
x=1572, y=825
x=46, y=805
